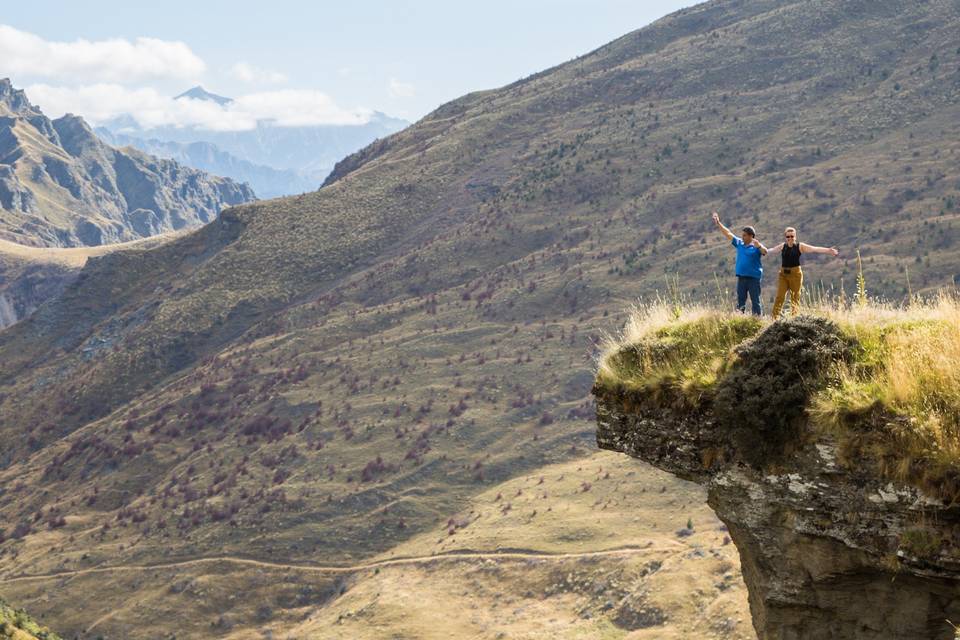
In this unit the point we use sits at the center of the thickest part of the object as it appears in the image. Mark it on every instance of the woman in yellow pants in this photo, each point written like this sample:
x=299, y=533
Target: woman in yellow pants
x=791, y=275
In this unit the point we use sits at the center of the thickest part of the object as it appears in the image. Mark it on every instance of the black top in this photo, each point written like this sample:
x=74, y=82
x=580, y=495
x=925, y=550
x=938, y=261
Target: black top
x=790, y=256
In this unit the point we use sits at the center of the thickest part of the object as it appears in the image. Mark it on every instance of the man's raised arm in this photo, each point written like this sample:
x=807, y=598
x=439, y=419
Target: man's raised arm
x=809, y=248
x=723, y=229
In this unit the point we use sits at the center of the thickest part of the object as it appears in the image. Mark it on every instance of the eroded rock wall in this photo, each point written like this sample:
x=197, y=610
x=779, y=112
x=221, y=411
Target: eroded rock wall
x=827, y=552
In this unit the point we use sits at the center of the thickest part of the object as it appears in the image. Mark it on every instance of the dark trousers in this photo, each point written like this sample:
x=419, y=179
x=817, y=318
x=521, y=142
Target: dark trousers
x=748, y=286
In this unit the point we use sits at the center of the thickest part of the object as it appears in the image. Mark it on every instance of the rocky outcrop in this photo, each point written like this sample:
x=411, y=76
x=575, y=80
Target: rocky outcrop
x=60, y=185
x=13, y=195
x=827, y=551
x=24, y=286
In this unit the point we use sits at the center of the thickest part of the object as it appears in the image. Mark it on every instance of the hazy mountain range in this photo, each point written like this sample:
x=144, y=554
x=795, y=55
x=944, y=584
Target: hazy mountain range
x=274, y=160
x=349, y=413
x=60, y=185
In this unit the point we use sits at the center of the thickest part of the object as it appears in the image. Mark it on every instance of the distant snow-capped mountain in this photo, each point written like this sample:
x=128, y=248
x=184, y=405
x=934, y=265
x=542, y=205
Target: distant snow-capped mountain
x=274, y=160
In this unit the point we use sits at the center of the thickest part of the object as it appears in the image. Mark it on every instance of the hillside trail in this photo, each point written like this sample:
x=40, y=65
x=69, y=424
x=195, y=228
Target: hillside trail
x=465, y=554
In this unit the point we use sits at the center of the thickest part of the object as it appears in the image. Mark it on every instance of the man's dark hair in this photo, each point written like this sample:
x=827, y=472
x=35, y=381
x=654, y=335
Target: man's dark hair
x=750, y=230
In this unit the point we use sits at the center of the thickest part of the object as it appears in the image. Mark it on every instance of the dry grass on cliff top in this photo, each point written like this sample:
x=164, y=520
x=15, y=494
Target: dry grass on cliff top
x=668, y=346
x=897, y=400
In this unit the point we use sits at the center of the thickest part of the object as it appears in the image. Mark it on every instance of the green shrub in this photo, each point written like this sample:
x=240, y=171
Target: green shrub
x=762, y=399
x=920, y=542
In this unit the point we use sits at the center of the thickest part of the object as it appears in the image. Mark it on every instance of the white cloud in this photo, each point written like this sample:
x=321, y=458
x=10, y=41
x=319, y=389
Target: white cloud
x=399, y=89
x=253, y=74
x=294, y=108
x=287, y=108
x=113, y=60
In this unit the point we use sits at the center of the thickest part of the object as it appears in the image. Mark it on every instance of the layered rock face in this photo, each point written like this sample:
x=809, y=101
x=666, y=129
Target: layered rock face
x=60, y=186
x=24, y=287
x=827, y=552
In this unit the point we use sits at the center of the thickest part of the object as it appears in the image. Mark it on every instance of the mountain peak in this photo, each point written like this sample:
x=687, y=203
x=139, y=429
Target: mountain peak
x=199, y=93
x=75, y=134
x=14, y=100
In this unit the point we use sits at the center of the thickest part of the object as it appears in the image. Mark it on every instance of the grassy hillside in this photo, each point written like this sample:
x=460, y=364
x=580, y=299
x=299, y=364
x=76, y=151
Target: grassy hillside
x=327, y=379
x=29, y=276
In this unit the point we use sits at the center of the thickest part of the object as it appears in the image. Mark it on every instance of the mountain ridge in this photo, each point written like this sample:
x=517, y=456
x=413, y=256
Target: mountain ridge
x=266, y=182
x=61, y=186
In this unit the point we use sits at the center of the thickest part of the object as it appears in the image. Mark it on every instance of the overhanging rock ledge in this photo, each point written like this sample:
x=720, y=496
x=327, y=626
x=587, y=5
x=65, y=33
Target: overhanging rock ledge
x=826, y=551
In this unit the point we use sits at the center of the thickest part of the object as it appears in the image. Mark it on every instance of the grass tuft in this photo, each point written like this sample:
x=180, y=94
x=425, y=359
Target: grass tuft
x=663, y=349
x=898, y=399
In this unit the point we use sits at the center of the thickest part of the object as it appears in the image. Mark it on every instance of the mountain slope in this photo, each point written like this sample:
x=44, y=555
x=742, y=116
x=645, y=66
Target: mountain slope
x=61, y=186
x=29, y=276
x=327, y=378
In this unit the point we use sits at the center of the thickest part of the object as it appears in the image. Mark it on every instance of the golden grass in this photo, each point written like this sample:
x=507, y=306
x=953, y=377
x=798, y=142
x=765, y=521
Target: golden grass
x=667, y=347
x=77, y=256
x=905, y=385
x=579, y=506
x=630, y=511
x=697, y=584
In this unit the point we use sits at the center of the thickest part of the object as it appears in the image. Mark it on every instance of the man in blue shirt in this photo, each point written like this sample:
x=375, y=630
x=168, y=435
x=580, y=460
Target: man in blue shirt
x=749, y=270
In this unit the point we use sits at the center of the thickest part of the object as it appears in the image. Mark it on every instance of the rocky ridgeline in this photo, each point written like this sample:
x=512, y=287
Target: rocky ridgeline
x=60, y=185
x=828, y=549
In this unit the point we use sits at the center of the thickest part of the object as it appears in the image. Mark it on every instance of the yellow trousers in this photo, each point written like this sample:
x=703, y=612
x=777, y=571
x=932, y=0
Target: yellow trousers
x=791, y=282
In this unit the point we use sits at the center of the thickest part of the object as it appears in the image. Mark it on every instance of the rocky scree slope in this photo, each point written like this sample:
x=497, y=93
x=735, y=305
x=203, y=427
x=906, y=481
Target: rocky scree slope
x=60, y=186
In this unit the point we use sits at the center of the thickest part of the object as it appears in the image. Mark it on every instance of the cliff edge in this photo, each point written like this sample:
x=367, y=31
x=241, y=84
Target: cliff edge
x=835, y=537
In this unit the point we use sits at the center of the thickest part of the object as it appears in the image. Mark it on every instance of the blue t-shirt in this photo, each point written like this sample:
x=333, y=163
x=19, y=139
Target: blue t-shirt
x=748, y=259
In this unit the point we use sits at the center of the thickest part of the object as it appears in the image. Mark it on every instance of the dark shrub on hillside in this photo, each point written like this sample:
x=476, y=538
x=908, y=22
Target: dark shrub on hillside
x=762, y=400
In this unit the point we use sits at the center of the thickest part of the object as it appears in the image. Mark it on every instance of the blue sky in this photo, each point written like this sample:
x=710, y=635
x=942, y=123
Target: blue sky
x=403, y=57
